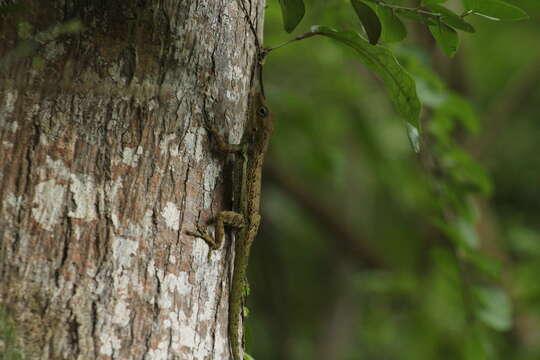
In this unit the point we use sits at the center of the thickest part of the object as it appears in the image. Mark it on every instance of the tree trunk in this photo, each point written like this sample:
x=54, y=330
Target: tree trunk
x=104, y=164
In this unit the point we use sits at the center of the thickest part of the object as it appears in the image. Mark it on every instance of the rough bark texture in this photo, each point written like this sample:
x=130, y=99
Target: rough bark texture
x=104, y=164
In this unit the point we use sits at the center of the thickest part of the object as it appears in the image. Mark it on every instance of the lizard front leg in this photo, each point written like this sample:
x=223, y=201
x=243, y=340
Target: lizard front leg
x=229, y=218
x=222, y=145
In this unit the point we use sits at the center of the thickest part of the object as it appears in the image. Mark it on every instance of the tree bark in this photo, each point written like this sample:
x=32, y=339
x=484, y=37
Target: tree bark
x=104, y=164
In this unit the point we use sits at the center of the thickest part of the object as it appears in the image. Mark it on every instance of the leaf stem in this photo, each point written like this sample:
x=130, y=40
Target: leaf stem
x=417, y=10
x=298, y=38
x=466, y=13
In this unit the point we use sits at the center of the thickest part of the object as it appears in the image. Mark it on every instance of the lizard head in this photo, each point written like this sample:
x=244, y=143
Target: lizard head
x=262, y=117
x=262, y=111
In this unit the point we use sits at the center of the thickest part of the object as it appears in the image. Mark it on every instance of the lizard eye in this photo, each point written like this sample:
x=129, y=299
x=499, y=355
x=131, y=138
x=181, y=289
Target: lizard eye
x=262, y=111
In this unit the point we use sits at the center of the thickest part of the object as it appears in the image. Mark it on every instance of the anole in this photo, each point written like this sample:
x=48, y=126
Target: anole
x=245, y=215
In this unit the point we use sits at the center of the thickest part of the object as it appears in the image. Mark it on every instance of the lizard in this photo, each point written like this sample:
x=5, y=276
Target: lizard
x=247, y=176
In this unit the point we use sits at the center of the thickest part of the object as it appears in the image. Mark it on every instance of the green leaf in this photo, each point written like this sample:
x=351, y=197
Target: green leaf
x=495, y=9
x=465, y=172
x=525, y=241
x=489, y=266
x=461, y=110
x=432, y=2
x=293, y=11
x=474, y=347
x=393, y=29
x=414, y=15
x=466, y=231
x=399, y=84
x=444, y=291
x=446, y=37
x=451, y=19
x=461, y=231
x=369, y=19
x=494, y=308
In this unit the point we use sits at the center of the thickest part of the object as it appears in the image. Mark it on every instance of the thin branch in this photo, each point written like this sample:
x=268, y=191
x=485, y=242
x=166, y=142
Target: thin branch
x=298, y=38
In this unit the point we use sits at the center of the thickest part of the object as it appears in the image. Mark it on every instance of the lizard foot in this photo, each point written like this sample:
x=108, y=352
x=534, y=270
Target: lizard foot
x=206, y=237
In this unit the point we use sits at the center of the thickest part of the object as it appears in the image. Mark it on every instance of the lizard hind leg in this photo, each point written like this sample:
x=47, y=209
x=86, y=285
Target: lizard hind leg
x=229, y=218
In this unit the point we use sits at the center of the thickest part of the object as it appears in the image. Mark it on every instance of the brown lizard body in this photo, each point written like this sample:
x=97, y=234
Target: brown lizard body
x=247, y=176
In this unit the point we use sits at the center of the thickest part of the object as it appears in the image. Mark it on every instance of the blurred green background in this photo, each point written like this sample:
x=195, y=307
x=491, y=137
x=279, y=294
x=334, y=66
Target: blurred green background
x=369, y=250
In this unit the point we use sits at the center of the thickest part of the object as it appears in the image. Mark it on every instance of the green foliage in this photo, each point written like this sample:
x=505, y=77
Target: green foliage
x=446, y=37
x=451, y=19
x=495, y=9
x=369, y=19
x=293, y=12
x=442, y=294
x=398, y=82
x=493, y=307
x=393, y=29
x=474, y=346
x=382, y=16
